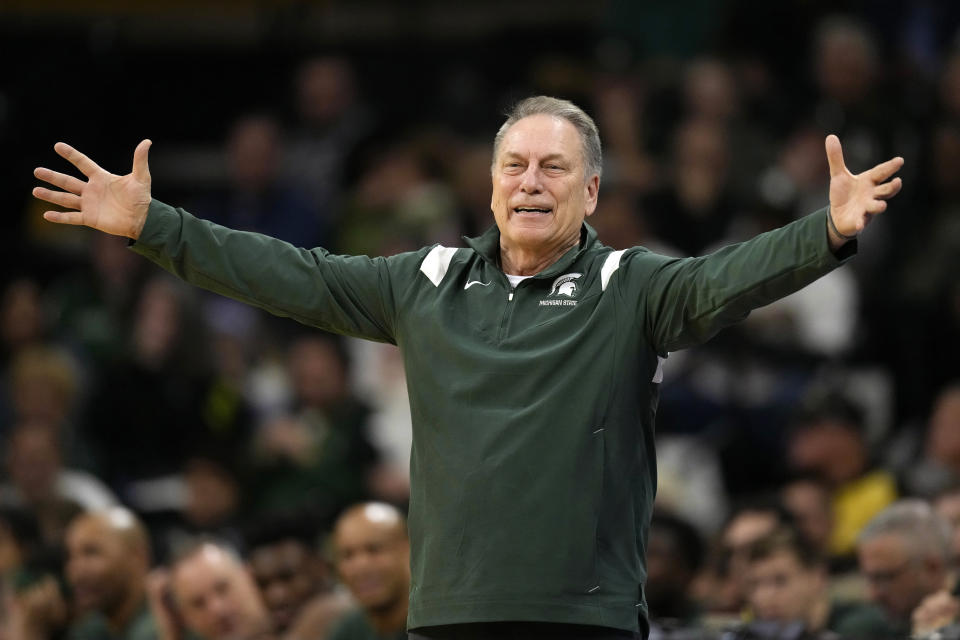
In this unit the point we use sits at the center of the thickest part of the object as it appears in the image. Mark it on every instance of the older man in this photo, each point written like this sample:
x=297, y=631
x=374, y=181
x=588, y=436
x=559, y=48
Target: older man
x=533, y=358
x=904, y=555
x=215, y=596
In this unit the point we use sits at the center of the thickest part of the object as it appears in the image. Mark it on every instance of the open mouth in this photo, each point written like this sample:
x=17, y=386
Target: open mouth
x=533, y=210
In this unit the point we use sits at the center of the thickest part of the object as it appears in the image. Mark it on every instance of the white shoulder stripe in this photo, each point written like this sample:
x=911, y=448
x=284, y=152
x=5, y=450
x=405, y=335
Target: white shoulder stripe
x=658, y=374
x=611, y=264
x=437, y=262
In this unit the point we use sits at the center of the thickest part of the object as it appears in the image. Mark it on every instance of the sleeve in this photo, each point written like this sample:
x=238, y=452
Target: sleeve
x=350, y=295
x=686, y=301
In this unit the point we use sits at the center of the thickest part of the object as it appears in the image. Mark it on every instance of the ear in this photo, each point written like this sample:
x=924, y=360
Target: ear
x=592, y=189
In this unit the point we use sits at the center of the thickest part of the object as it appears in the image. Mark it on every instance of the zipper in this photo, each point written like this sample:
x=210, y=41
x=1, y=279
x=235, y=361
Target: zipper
x=508, y=309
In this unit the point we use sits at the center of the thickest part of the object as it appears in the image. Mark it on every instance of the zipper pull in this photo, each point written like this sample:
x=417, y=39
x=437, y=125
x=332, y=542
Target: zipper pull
x=510, y=296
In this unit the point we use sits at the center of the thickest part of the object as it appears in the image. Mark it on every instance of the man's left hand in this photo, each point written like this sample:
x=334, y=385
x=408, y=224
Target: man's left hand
x=856, y=199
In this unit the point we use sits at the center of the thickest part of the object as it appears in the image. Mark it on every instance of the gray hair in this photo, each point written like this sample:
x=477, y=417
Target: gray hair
x=923, y=531
x=545, y=105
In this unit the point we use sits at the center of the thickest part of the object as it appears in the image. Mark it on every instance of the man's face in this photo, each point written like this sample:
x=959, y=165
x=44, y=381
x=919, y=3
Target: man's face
x=896, y=580
x=783, y=590
x=99, y=566
x=541, y=193
x=33, y=462
x=283, y=572
x=217, y=597
x=373, y=560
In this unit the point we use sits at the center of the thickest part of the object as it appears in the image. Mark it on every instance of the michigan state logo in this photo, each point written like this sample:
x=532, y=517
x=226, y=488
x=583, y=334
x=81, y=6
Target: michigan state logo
x=562, y=291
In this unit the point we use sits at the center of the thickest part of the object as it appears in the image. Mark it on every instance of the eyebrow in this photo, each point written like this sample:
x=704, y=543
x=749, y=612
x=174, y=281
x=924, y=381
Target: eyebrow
x=547, y=158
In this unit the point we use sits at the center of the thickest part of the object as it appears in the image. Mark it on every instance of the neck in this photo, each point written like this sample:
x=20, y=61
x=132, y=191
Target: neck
x=392, y=618
x=120, y=617
x=520, y=261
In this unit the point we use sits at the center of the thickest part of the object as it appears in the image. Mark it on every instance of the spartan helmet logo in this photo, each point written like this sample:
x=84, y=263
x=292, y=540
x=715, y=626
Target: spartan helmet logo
x=565, y=285
x=567, y=289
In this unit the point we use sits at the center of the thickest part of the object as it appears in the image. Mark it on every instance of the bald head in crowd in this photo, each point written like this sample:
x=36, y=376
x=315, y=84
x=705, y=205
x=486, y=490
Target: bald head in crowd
x=904, y=554
x=216, y=595
x=107, y=564
x=373, y=560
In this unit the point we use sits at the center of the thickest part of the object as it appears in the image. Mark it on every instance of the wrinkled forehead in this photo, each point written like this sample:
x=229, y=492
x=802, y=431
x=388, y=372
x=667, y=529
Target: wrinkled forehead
x=542, y=135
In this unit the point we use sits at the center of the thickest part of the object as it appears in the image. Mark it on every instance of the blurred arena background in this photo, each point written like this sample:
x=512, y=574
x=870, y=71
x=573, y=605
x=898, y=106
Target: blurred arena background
x=366, y=127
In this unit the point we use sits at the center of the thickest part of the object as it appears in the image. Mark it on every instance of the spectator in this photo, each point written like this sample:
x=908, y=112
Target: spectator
x=155, y=408
x=904, y=555
x=39, y=482
x=828, y=441
x=940, y=465
x=213, y=596
x=317, y=456
x=807, y=498
x=331, y=122
x=675, y=553
x=109, y=558
x=722, y=588
x=372, y=554
x=788, y=584
x=293, y=578
x=257, y=198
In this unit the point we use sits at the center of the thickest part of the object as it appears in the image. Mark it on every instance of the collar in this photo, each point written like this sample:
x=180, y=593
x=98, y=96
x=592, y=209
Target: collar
x=488, y=246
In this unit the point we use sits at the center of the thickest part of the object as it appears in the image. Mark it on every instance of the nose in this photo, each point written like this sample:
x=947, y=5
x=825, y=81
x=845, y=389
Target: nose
x=530, y=182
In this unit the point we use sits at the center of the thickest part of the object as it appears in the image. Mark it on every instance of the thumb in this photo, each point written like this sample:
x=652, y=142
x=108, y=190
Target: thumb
x=835, y=155
x=141, y=170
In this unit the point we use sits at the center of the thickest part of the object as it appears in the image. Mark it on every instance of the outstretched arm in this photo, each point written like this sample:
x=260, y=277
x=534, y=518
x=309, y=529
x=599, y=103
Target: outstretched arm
x=686, y=301
x=856, y=199
x=107, y=202
x=351, y=295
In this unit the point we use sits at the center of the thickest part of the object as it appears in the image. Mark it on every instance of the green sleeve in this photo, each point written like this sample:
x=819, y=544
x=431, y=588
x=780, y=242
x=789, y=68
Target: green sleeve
x=685, y=301
x=351, y=295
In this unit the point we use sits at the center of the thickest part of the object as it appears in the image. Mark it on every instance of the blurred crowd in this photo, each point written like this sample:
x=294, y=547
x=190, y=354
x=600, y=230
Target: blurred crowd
x=179, y=465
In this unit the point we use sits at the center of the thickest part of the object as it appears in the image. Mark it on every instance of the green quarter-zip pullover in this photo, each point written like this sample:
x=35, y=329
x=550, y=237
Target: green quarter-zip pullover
x=533, y=469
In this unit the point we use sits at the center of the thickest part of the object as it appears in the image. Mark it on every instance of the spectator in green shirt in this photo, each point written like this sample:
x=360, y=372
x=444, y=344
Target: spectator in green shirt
x=373, y=559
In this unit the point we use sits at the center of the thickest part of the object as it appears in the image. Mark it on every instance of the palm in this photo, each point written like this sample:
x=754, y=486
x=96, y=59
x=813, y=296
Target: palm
x=855, y=199
x=110, y=203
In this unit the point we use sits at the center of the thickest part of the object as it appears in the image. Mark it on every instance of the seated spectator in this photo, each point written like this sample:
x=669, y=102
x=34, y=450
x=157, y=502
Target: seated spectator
x=106, y=569
x=788, y=580
x=293, y=578
x=904, y=555
x=318, y=456
x=674, y=555
x=150, y=408
x=722, y=587
x=807, y=498
x=214, y=597
x=256, y=197
x=107, y=566
x=372, y=554
x=828, y=441
x=940, y=466
x=39, y=483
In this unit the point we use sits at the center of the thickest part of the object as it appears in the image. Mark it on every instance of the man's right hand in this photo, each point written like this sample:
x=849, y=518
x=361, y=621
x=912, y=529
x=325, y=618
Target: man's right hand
x=110, y=203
